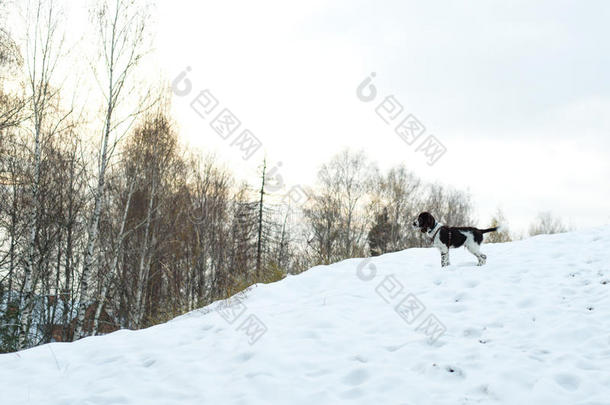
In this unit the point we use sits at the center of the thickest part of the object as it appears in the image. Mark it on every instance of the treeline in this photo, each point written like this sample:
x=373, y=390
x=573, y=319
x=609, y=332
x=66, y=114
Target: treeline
x=109, y=222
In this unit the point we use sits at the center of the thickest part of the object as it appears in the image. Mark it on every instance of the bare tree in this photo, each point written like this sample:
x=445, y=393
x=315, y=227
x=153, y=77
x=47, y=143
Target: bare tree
x=157, y=147
x=449, y=206
x=337, y=226
x=216, y=241
x=108, y=277
x=399, y=194
x=44, y=44
x=122, y=35
x=546, y=223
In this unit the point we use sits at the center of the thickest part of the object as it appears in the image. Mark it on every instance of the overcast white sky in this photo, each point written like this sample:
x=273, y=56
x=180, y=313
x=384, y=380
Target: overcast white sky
x=517, y=91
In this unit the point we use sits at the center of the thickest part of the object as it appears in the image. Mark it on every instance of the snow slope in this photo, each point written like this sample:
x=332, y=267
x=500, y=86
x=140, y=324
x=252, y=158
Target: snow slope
x=530, y=327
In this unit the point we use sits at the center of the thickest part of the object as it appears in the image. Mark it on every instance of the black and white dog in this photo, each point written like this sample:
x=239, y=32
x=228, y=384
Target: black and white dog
x=445, y=237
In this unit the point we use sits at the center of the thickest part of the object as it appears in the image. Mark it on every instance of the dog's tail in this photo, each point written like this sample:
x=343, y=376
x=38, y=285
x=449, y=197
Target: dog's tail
x=494, y=229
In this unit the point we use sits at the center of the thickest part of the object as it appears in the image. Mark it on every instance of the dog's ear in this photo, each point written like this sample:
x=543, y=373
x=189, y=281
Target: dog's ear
x=426, y=221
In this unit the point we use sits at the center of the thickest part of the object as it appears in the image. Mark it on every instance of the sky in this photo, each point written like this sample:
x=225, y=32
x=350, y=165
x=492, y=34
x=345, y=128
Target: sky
x=517, y=93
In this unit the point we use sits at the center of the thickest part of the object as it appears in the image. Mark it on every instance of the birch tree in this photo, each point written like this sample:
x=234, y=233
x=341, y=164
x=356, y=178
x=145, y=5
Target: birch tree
x=116, y=254
x=122, y=38
x=44, y=43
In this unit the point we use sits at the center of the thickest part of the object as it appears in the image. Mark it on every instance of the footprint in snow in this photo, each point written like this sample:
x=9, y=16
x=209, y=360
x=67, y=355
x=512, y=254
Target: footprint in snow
x=450, y=370
x=356, y=377
x=454, y=370
x=472, y=283
x=392, y=349
x=567, y=381
x=112, y=359
x=244, y=357
x=148, y=362
x=474, y=332
x=460, y=297
x=360, y=359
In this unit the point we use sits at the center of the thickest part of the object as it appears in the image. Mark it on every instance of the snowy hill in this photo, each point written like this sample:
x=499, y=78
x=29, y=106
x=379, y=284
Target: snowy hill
x=530, y=327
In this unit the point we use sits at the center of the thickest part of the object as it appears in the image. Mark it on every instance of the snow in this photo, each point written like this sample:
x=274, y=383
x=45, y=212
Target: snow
x=530, y=327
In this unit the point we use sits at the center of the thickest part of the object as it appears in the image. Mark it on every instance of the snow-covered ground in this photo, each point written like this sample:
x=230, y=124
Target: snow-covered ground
x=530, y=327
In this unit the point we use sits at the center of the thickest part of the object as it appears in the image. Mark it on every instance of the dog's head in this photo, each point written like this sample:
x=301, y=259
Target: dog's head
x=425, y=222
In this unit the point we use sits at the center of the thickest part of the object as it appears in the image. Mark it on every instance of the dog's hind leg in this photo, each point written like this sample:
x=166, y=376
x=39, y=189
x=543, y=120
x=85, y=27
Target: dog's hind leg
x=474, y=248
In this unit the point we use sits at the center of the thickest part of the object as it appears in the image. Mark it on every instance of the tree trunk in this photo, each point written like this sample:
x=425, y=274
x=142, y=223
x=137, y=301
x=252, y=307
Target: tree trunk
x=144, y=264
x=115, y=262
x=93, y=224
x=260, y=225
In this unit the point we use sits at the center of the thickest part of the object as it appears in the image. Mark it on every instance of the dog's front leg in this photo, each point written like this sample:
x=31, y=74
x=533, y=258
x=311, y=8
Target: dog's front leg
x=445, y=258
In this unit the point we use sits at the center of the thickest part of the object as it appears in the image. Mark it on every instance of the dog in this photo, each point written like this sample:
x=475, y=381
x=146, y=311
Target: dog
x=445, y=237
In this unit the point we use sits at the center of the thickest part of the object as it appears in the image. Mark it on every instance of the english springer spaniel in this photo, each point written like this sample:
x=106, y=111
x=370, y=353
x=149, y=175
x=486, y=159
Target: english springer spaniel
x=445, y=237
